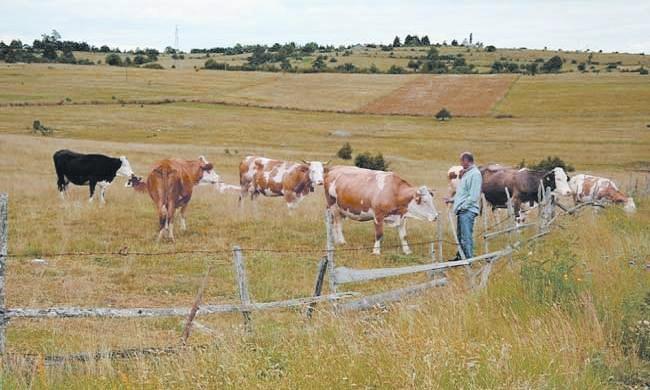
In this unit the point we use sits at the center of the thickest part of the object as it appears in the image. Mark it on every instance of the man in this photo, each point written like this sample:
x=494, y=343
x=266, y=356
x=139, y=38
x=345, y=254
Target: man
x=466, y=203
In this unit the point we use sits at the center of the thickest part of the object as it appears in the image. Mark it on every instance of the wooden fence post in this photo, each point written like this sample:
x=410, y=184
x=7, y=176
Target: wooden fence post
x=242, y=284
x=513, y=218
x=4, y=233
x=318, y=288
x=440, y=233
x=330, y=250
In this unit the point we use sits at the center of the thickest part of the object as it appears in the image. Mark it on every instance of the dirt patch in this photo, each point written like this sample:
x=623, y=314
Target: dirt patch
x=463, y=95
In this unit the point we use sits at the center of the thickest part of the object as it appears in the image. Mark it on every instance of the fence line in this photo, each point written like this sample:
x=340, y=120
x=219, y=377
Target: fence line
x=337, y=275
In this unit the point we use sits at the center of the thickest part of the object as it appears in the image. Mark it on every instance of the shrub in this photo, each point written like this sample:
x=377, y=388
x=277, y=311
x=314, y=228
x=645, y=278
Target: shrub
x=368, y=161
x=582, y=66
x=153, y=66
x=490, y=48
x=553, y=65
x=113, y=60
x=443, y=115
x=395, y=69
x=212, y=64
x=643, y=71
x=345, y=153
x=551, y=279
x=551, y=162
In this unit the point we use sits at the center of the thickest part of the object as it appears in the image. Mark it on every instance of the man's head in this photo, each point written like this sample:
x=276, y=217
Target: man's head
x=466, y=159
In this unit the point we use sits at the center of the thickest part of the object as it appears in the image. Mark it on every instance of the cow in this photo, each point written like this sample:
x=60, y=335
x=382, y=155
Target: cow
x=586, y=188
x=382, y=197
x=293, y=181
x=522, y=184
x=91, y=169
x=454, y=174
x=170, y=185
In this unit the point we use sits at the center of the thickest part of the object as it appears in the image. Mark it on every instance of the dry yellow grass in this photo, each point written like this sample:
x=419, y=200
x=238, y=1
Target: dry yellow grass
x=509, y=336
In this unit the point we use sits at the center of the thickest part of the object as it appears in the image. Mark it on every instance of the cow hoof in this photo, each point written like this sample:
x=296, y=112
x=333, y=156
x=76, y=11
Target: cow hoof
x=407, y=251
x=376, y=253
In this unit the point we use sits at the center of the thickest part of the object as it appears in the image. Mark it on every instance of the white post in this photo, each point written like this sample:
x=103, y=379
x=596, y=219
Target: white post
x=242, y=284
x=440, y=232
x=486, y=246
x=511, y=215
x=4, y=198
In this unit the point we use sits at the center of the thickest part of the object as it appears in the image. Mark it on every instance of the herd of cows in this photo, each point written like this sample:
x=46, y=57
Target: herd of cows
x=350, y=192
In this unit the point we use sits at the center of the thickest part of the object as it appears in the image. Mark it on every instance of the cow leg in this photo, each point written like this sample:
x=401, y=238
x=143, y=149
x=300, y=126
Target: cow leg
x=162, y=220
x=379, y=234
x=337, y=226
x=102, y=189
x=61, y=185
x=182, y=214
x=171, y=210
x=92, y=184
x=401, y=230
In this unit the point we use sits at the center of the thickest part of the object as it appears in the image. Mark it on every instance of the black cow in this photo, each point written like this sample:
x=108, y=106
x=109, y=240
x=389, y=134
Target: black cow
x=91, y=169
x=522, y=184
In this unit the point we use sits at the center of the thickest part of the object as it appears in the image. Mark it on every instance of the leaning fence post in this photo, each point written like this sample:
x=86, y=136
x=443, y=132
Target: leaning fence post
x=330, y=250
x=318, y=289
x=242, y=284
x=3, y=261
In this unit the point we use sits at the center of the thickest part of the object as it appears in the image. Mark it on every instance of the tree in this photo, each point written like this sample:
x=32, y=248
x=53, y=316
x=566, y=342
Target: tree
x=425, y=41
x=443, y=115
x=310, y=47
x=433, y=55
x=549, y=163
x=553, y=65
x=490, y=48
x=643, y=71
x=454, y=43
x=104, y=49
x=170, y=50
x=113, y=60
x=582, y=67
x=396, y=42
x=139, y=59
x=319, y=64
x=345, y=153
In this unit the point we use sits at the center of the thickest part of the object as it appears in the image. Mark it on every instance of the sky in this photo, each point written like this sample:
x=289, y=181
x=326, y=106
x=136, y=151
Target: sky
x=567, y=25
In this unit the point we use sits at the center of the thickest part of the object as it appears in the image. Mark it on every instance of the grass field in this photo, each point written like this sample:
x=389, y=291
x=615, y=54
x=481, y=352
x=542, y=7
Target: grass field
x=558, y=318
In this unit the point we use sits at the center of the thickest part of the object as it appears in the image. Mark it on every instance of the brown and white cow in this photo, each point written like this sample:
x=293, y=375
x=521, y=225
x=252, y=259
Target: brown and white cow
x=454, y=174
x=293, y=181
x=586, y=188
x=170, y=185
x=382, y=197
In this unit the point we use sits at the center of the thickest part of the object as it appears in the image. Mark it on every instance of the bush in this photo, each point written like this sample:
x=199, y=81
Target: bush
x=152, y=66
x=551, y=162
x=582, y=66
x=395, y=69
x=345, y=153
x=553, y=65
x=443, y=115
x=551, y=280
x=368, y=161
x=212, y=64
x=113, y=60
x=490, y=48
x=643, y=71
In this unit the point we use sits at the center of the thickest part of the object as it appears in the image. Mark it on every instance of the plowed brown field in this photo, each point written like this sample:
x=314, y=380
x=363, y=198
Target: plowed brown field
x=463, y=95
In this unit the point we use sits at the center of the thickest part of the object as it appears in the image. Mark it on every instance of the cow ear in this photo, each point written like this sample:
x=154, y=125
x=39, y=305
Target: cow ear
x=418, y=198
x=304, y=162
x=327, y=162
x=203, y=160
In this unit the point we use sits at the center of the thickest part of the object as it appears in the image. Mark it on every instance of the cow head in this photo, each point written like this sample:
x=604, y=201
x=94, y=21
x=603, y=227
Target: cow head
x=316, y=171
x=454, y=175
x=208, y=175
x=561, y=182
x=125, y=168
x=133, y=181
x=421, y=206
x=629, y=207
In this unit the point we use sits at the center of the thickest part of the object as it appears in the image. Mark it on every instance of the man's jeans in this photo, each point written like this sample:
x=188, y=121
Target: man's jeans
x=466, y=231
